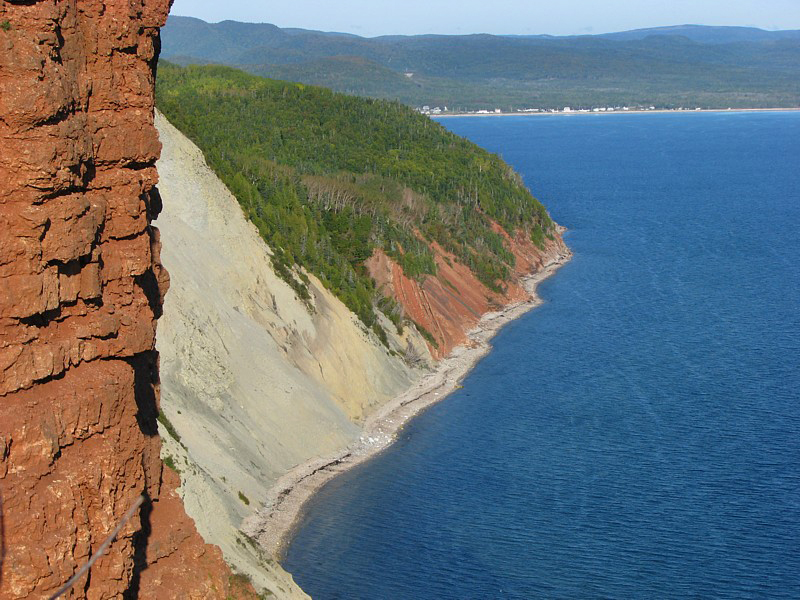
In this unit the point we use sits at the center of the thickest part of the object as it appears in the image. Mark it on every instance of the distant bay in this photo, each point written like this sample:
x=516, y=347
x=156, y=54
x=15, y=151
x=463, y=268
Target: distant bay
x=638, y=436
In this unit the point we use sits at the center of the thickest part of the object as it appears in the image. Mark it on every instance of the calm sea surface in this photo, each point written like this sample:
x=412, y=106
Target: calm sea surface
x=638, y=436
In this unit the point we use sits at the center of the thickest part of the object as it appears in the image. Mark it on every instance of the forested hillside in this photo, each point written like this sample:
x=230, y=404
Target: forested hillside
x=667, y=67
x=328, y=178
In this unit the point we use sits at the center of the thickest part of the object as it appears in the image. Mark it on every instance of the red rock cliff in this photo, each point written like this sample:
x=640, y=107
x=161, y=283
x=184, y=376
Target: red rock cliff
x=81, y=287
x=449, y=304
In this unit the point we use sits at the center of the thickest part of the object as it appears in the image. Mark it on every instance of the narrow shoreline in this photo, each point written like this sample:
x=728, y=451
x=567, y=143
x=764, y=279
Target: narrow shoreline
x=274, y=524
x=576, y=112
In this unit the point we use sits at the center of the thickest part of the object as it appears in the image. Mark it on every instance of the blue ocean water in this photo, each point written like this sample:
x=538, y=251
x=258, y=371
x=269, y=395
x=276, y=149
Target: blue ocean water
x=638, y=436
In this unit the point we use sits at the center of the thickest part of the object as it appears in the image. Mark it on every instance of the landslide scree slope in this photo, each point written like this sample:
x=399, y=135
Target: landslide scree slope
x=332, y=180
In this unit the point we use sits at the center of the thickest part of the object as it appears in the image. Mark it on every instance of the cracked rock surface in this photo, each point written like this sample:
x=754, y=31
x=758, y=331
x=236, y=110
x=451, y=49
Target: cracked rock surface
x=81, y=288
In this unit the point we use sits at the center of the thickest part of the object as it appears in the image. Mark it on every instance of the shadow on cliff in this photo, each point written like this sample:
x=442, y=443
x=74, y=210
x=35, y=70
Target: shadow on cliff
x=146, y=382
x=140, y=541
x=2, y=539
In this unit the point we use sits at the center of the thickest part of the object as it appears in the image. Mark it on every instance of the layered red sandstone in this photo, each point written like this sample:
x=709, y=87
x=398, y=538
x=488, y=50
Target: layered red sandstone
x=81, y=287
x=449, y=304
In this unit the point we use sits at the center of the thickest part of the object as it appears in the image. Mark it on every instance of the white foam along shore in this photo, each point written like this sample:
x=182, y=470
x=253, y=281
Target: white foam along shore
x=274, y=523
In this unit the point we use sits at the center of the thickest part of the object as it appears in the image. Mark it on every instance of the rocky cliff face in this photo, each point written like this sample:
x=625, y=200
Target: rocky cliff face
x=81, y=287
x=447, y=305
x=255, y=381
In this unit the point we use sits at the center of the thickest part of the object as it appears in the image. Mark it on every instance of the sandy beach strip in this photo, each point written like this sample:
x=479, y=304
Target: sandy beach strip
x=273, y=525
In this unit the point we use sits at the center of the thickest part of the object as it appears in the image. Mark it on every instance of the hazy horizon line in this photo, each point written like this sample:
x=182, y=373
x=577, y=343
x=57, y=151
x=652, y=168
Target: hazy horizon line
x=555, y=35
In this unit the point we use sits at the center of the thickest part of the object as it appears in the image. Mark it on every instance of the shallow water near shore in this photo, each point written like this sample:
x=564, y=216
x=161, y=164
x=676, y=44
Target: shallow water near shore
x=639, y=434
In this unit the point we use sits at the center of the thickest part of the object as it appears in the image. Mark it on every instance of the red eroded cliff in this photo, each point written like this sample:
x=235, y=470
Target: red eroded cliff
x=81, y=287
x=449, y=304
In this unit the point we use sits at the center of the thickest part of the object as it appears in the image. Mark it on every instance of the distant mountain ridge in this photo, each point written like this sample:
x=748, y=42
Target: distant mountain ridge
x=685, y=65
x=708, y=34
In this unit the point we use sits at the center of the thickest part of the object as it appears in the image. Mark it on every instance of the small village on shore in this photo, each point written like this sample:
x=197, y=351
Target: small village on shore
x=438, y=111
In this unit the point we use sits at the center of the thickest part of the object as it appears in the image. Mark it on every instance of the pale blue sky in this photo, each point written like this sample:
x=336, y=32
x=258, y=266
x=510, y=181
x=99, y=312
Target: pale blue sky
x=556, y=17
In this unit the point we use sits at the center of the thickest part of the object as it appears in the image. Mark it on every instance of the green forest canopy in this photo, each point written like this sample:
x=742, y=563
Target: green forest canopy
x=327, y=178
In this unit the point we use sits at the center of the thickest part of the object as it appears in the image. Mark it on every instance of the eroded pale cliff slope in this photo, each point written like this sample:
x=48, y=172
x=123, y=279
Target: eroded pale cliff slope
x=254, y=381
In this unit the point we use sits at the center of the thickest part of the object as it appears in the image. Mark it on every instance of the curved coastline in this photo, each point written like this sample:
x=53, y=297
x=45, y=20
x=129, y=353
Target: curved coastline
x=275, y=522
